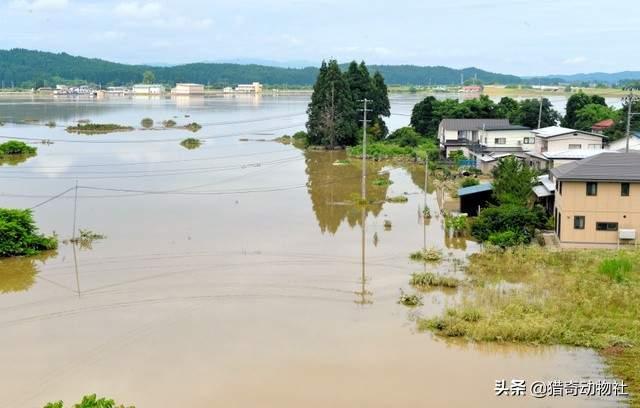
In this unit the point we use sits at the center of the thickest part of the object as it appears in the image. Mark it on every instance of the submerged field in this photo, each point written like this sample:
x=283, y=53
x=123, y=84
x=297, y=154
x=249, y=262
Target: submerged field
x=584, y=298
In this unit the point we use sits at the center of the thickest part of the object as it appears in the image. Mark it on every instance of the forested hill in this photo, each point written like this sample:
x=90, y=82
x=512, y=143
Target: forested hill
x=30, y=68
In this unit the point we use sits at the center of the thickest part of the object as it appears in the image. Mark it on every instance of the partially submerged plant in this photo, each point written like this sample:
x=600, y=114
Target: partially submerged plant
x=191, y=143
x=169, y=123
x=86, y=239
x=16, y=148
x=382, y=182
x=97, y=128
x=410, y=300
x=427, y=279
x=398, y=199
x=387, y=225
x=146, y=123
x=426, y=212
x=426, y=255
x=193, y=126
x=51, y=124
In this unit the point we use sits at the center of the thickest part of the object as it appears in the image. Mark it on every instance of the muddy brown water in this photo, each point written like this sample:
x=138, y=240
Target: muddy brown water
x=238, y=274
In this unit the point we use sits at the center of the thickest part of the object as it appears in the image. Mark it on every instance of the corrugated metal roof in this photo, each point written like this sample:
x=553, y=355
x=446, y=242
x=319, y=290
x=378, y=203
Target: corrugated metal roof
x=541, y=191
x=473, y=124
x=606, y=166
x=553, y=131
x=475, y=189
x=572, y=154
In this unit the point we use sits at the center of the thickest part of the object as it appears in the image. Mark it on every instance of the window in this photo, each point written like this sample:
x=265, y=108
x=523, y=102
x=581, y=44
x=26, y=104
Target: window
x=529, y=140
x=578, y=222
x=575, y=146
x=560, y=188
x=500, y=140
x=624, y=189
x=606, y=226
x=592, y=189
x=595, y=146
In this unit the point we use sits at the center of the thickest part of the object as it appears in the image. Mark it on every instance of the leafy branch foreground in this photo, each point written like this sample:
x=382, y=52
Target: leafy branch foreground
x=576, y=298
x=89, y=401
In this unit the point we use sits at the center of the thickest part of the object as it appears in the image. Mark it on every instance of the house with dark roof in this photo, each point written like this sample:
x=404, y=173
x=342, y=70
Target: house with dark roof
x=603, y=125
x=597, y=200
x=478, y=138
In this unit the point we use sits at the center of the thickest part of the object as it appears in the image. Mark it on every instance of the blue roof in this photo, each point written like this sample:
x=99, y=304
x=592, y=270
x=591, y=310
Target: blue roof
x=475, y=189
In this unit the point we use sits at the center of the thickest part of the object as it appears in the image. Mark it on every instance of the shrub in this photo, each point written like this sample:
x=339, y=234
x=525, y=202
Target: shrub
x=88, y=401
x=14, y=147
x=193, y=126
x=382, y=182
x=398, y=199
x=146, y=123
x=426, y=255
x=409, y=300
x=19, y=234
x=508, y=217
x=191, y=143
x=51, y=124
x=96, y=128
x=169, y=123
x=469, y=181
x=387, y=225
x=404, y=137
x=457, y=223
x=506, y=239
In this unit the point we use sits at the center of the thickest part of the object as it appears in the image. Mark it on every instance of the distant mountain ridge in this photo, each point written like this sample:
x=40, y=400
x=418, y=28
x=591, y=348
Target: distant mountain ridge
x=32, y=68
x=20, y=66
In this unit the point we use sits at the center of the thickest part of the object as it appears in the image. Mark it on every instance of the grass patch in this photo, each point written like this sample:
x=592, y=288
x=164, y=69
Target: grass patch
x=97, y=128
x=426, y=255
x=583, y=298
x=409, y=300
x=193, y=127
x=382, y=182
x=397, y=199
x=425, y=280
x=341, y=162
x=191, y=143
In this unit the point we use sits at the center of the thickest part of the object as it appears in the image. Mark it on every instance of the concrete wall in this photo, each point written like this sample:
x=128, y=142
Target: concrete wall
x=607, y=206
x=515, y=138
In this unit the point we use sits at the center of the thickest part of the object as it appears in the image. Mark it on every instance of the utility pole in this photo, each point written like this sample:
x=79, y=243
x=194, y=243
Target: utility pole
x=540, y=109
x=629, y=99
x=364, y=148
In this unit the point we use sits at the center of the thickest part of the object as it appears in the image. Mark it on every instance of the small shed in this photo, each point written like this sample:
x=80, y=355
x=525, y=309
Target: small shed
x=473, y=198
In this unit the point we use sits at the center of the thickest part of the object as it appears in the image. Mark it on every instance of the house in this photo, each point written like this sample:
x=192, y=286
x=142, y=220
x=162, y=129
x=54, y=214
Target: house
x=553, y=140
x=621, y=144
x=471, y=89
x=188, y=89
x=544, y=191
x=255, y=87
x=603, y=125
x=148, y=89
x=477, y=134
x=474, y=198
x=597, y=200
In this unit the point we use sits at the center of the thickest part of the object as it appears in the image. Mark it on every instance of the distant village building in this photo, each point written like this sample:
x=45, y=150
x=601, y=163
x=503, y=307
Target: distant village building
x=227, y=90
x=148, y=89
x=472, y=89
x=603, y=125
x=255, y=87
x=188, y=89
x=597, y=200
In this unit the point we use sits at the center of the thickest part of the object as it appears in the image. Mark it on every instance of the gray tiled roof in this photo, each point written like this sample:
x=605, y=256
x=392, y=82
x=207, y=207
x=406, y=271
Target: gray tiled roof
x=473, y=124
x=606, y=166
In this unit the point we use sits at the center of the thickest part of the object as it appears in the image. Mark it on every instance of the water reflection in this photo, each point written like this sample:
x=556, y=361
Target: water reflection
x=19, y=274
x=332, y=189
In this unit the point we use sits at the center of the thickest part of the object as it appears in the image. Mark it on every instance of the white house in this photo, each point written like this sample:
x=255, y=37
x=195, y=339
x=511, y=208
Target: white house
x=255, y=87
x=556, y=145
x=148, y=89
x=621, y=144
x=188, y=89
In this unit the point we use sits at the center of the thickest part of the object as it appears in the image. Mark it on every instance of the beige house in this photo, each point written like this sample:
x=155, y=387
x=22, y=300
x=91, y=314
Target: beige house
x=148, y=89
x=597, y=200
x=188, y=89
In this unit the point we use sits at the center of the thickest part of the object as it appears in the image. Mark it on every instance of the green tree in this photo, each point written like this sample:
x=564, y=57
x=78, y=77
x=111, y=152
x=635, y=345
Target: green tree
x=512, y=182
x=507, y=108
x=576, y=102
x=380, y=106
x=529, y=110
x=423, y=117
x=148, y=77
x=593, y=113
x=19, y=234
x=405, y=136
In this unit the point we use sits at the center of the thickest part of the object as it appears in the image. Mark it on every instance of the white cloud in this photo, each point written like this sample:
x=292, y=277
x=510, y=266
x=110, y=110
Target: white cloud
x=382, y=51
x=137, y=9
x=110, y=36
x=574, y=60
x=39, y=5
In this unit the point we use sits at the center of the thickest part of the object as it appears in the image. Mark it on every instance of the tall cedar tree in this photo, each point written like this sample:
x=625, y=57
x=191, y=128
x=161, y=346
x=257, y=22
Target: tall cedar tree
x=331, y=110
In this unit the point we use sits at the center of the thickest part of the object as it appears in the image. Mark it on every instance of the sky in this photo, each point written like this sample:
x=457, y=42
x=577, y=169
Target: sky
x=520, y=37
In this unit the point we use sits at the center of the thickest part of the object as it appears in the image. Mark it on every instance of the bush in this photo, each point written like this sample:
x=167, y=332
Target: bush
x=95, y=128
x=469, y=181
x=19, y=234
x=514, y=218
x=506, y=239
x=191, y=143
x=409, y=300
x=426, y=255
x=404, y=137
x=14, y=147
x=427, y=279
x=193, y=126
x=146, y=123
x=169, y=123
x=88, y=401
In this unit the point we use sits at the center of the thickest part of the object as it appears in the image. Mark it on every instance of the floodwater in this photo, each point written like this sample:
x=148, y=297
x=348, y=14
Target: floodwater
x=238, y=274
